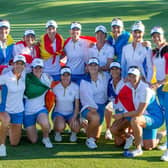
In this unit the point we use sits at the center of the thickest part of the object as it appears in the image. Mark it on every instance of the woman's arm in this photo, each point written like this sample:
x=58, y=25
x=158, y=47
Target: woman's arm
x=141, y=109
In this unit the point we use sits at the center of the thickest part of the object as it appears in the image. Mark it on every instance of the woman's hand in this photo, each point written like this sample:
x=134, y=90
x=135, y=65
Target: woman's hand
x=74, y=122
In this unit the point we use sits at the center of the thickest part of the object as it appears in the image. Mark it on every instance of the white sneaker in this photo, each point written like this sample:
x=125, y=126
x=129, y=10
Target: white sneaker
x=73, y=137
x=3, y=150
x=163, y=146
x=129, y=142
x=47, y=142
x=58, y=137
x=108, y=135
x=90, y=143
x=134, y=153
x=164, y=157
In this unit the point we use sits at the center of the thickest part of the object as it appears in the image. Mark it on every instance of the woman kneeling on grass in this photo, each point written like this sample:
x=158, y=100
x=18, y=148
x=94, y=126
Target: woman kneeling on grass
x=67, y=107
x=93, y=96
x=37, y=84
x=14, y=80
x=147, y=113
x=119, y=127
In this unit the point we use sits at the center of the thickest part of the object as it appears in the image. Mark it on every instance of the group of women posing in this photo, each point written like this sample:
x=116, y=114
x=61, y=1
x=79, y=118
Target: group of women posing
x=137, y=75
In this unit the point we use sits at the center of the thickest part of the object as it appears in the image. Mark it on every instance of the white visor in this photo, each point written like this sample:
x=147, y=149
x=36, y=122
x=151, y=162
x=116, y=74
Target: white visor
x=138, y=26
x=19, y=58
x=51, y=23
x=65, y=70
x=27, y=32
x=117, y=23
x=115, y=64
x=101, y=28
x=76, y=25
x=37, y=62
x=5, y=23
x=93, y=61
x=134, y=71
x=157, y=30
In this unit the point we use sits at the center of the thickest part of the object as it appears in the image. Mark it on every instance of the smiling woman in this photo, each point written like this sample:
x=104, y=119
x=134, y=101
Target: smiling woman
x=35, y=110
x=14, y=80
x=146, y=116
x=67, y=108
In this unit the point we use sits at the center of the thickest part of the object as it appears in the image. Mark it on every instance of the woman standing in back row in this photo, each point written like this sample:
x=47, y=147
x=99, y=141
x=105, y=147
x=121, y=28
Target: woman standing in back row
x=76, y=49
x=136, y=54
x=51, y=49
x=160, y=63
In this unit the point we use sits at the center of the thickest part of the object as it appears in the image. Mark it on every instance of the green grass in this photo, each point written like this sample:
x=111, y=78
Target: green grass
x=70, y=155
x=24, y=14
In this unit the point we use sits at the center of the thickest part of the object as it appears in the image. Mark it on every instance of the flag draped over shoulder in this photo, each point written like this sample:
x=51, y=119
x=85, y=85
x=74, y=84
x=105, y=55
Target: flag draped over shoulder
x=28, y=57
x=50, y=97
x=126, y=98
x=88, y=38
x=10, y=40
x=2, y=68
x=46, y=49
x=34, y=87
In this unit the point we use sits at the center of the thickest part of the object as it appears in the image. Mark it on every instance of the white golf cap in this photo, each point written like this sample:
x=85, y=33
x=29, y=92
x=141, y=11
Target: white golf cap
x=28, y=32
x=157, y=30
x=115, y=64
x=134, y=71
x=37, y=62
x=51, y=23
x=5, y=23
x=76, y=25
x=138, y=25
x=93, y=61
x=19, y=58
x=117, y=22
x=65, y=70
x=101, y=28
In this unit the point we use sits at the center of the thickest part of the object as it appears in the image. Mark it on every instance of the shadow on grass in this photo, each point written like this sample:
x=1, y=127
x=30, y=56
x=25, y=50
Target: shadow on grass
x=67, y=150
